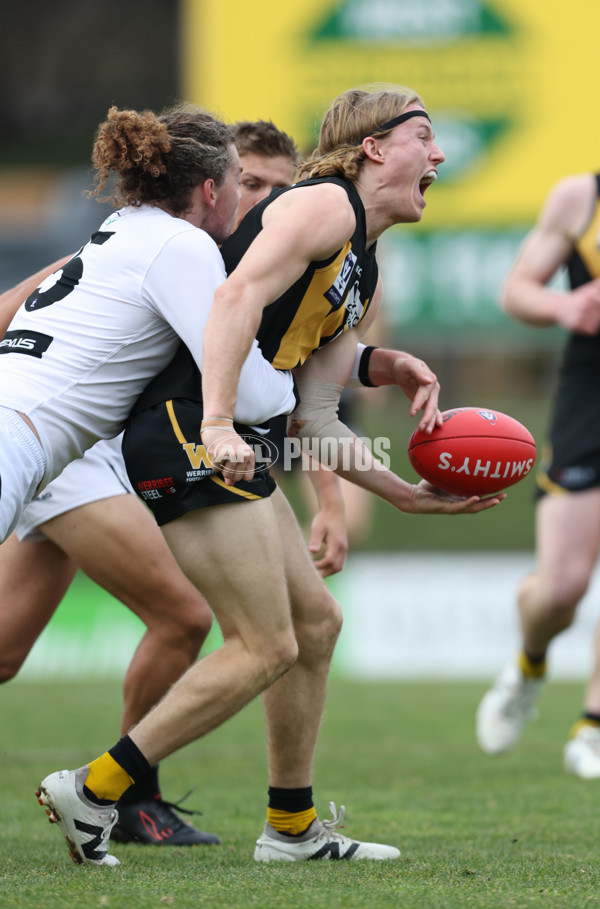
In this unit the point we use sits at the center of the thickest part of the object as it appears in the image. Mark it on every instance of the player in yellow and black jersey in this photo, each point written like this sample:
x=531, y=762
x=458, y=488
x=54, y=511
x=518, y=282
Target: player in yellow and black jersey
x=568, y=507
x=161, y=442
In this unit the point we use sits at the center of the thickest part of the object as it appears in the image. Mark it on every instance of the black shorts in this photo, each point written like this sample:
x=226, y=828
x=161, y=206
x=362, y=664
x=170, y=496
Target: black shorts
x=571, y=458
x=168, y=466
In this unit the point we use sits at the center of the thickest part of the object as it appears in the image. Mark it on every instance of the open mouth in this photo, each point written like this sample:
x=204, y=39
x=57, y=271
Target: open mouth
x=429, y=178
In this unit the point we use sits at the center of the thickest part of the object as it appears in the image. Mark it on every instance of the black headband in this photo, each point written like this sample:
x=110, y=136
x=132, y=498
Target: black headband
x=396, y=122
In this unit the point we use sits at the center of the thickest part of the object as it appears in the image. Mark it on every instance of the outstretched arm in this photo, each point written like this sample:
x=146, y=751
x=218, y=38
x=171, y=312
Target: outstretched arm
x=319, y=385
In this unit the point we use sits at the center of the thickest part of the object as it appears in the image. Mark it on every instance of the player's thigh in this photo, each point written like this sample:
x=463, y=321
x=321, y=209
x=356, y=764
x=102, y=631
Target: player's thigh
x=34, y=577
x=117, y=542
x=233, y=553
x=310, y=598
x=568, y=532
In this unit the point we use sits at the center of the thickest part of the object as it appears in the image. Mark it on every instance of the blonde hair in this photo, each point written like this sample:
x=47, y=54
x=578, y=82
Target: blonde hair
x=160, y=158
x=353, y=115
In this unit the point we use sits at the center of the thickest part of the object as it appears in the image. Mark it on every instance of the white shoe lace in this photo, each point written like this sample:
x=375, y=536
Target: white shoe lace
x=330, y=826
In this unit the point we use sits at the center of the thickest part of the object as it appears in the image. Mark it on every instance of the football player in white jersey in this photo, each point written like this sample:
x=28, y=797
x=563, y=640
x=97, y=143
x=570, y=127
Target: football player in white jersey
x=88, y=519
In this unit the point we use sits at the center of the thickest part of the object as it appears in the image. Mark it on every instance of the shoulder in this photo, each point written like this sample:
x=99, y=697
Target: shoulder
x=185, y=250
x=185, y=238
x=322, y=210
x=570, y=203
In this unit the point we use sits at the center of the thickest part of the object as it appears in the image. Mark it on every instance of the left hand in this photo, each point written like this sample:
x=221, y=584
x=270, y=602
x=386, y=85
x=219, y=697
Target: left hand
x=427, y=499
x=328, y=542
x=421, y=386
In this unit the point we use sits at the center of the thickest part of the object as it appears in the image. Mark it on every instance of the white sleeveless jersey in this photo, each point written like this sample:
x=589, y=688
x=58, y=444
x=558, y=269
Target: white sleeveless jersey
x=82, y=347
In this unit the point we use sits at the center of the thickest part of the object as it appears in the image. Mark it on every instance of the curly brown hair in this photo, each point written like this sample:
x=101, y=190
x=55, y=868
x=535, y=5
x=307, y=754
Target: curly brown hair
x=353, y=115
x=158, y=159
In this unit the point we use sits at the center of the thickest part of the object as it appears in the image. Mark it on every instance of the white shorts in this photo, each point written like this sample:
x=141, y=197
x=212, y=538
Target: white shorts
x=99, y=474
x=22, y=467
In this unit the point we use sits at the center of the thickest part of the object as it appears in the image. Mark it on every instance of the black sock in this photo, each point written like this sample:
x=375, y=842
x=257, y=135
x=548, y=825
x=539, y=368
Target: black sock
x=291, y=799
x=145, y=789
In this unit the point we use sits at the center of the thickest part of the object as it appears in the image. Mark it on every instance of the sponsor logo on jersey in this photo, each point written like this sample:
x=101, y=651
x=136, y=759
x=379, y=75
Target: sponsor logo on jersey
x=355, y=308
x=32, y=343
x=337, y=291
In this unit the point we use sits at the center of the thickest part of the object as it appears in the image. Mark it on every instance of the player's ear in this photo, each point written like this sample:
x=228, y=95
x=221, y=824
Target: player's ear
x=209, y=196
x=373, y=150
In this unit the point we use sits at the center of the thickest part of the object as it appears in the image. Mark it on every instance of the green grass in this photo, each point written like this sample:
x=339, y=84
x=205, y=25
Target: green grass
x=474, y=831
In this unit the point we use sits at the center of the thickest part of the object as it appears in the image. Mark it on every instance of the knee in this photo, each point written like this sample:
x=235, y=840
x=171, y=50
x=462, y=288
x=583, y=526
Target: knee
x=9, y=668
x=559, y=593
x=185, y=627
x=318, y=632
x=280, y=656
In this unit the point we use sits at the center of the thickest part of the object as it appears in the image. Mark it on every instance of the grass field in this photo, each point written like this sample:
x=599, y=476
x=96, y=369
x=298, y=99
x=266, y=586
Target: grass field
x=474, y=831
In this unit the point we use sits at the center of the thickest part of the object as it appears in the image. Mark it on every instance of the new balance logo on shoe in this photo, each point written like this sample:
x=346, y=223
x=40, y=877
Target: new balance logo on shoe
x=90, y=849
x=321, y=841
x=332, y=851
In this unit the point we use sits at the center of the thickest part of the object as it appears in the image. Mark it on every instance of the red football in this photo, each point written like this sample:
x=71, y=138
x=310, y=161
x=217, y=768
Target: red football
x=476, y=451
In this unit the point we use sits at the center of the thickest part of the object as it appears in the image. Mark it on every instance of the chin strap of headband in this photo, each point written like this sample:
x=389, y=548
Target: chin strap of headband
x=396, y=122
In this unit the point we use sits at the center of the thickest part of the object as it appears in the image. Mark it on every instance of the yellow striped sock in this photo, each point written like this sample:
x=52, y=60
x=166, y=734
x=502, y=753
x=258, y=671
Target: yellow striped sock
x=531, y=670
x=292, y=822
x=107, y=779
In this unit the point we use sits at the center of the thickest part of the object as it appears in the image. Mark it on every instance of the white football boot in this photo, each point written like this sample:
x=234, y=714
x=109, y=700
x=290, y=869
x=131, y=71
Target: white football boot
x=86, y=827
x=320, y=841
x=506, y=709
x=582, y=751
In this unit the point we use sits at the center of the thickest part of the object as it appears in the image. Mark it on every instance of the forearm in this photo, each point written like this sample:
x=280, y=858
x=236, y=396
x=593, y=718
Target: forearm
x=532, y=303
x=327, y=439
x=384, y=365
x=228, y=338
x=327, y=487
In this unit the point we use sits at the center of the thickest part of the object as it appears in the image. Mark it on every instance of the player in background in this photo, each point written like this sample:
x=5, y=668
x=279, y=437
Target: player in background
x=568, y=506
x=381, y=145
x=88, y=518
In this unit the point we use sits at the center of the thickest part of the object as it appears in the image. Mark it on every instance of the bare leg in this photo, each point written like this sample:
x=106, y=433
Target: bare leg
x=234, y=554
x=34, y=577
x=592, y=694
x=117, y=543
x=568, y=538
x=295, y=703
